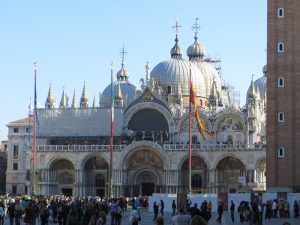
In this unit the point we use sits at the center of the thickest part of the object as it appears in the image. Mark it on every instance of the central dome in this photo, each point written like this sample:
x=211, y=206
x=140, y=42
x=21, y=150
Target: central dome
x=176, y=73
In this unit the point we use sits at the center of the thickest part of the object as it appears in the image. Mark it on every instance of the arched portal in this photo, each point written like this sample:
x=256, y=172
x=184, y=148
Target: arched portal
x=146, y=181
x=95, y=174
x=145, y=170
x=229, y=169
x=62, y=177
x=261, y=174
x=198, y=175
x=149, y=124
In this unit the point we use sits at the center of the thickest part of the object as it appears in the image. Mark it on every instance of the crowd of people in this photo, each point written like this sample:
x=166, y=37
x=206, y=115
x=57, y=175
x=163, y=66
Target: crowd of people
x=64, y=210
x=69, y=211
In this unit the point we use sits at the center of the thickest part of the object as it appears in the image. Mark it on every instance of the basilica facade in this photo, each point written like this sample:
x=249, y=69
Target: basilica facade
x=150, y=151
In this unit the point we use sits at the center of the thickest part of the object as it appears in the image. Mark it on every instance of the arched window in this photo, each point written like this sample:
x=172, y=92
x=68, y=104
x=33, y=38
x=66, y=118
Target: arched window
x=281, y=152
x=281, y=117
x=280, y=47
x=280, y=82
x=280, y=12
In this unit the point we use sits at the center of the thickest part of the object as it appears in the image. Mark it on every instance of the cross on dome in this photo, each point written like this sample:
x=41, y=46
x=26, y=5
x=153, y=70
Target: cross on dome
x=196, y=27
x=177, y=26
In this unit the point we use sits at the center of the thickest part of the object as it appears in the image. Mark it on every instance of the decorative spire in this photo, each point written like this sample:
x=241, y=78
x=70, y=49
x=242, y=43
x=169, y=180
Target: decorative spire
x=119, y=97
x=119, y=92
x=94, y=103
x=50, y=100
x=196, y=51
x=122, y=74
x=147, y=72
x=252, y=91
x=175, y=51
x=84, y=98
x=64, y=100
x=74, y=101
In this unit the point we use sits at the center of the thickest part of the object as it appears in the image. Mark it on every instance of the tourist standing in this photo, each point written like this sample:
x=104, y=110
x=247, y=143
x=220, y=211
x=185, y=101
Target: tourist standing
x=173, y=207
x=232, y=209
x=220, y=212
x=155, y=210
x=162, y=207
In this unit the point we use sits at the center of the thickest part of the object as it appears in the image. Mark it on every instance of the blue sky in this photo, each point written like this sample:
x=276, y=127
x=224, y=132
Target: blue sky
x=74, y=41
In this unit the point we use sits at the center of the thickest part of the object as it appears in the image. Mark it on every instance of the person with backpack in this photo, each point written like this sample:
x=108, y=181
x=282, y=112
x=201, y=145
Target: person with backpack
x=135, y=216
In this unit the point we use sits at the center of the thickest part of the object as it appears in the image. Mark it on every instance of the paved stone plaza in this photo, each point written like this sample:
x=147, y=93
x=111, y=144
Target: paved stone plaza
x=147, y=219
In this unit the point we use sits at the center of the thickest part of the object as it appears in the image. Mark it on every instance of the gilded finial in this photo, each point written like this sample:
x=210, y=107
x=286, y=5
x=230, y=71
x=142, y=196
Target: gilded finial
x=177, y=26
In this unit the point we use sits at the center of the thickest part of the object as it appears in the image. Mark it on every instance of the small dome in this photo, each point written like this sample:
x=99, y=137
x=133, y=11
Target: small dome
x=122, y=74
x=176, y=51
x=260, y=85
x=127, y=90
x=196, y=51
x=175, y=73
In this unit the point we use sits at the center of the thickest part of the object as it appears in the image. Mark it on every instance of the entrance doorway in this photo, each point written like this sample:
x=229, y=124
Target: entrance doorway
x=147, y=189
x=67, y=191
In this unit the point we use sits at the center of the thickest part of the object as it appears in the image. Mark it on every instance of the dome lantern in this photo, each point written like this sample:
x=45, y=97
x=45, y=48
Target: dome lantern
x=176, y=51
x=196, y=51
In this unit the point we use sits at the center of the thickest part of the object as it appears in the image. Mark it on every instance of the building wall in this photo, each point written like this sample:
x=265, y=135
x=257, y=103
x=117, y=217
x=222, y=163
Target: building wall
x=282, y=172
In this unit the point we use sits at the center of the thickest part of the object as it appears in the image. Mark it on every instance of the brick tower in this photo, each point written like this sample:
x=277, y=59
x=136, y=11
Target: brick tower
x=283, y=96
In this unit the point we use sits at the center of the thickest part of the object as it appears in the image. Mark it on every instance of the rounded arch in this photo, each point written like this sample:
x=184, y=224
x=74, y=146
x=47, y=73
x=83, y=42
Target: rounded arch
x=150, y=106
x=94, y=161
x=145, y=145
x=57, y=158
x=143, y=158
x=231, y=162
x=230, y=121
x=199, y=174
x=216, y=163
x=146, y=176
x=199, y=162
x=183, y=123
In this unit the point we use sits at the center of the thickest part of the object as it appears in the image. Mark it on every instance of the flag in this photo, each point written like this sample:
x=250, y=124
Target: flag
x=193, y=99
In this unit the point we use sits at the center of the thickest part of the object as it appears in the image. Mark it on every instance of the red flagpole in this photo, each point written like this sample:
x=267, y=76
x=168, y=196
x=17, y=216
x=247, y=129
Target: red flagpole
x=111, y=133
x=190, y=134
x=34, y=129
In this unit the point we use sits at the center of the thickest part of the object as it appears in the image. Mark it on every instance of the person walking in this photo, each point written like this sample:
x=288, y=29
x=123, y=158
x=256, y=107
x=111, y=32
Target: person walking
x=155, y=210
x=162, y=207
x=220, y=212
x=173, y=207
x=232, y=209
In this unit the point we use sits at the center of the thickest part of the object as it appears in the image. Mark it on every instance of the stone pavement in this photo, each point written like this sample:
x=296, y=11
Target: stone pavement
x=147, y=219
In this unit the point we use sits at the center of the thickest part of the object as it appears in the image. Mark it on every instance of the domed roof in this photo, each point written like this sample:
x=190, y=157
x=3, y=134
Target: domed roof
x=195, y=51
x=176, y=72
x=210, y=75
x=122, y=74
x=259, y=85
x=127, y=90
